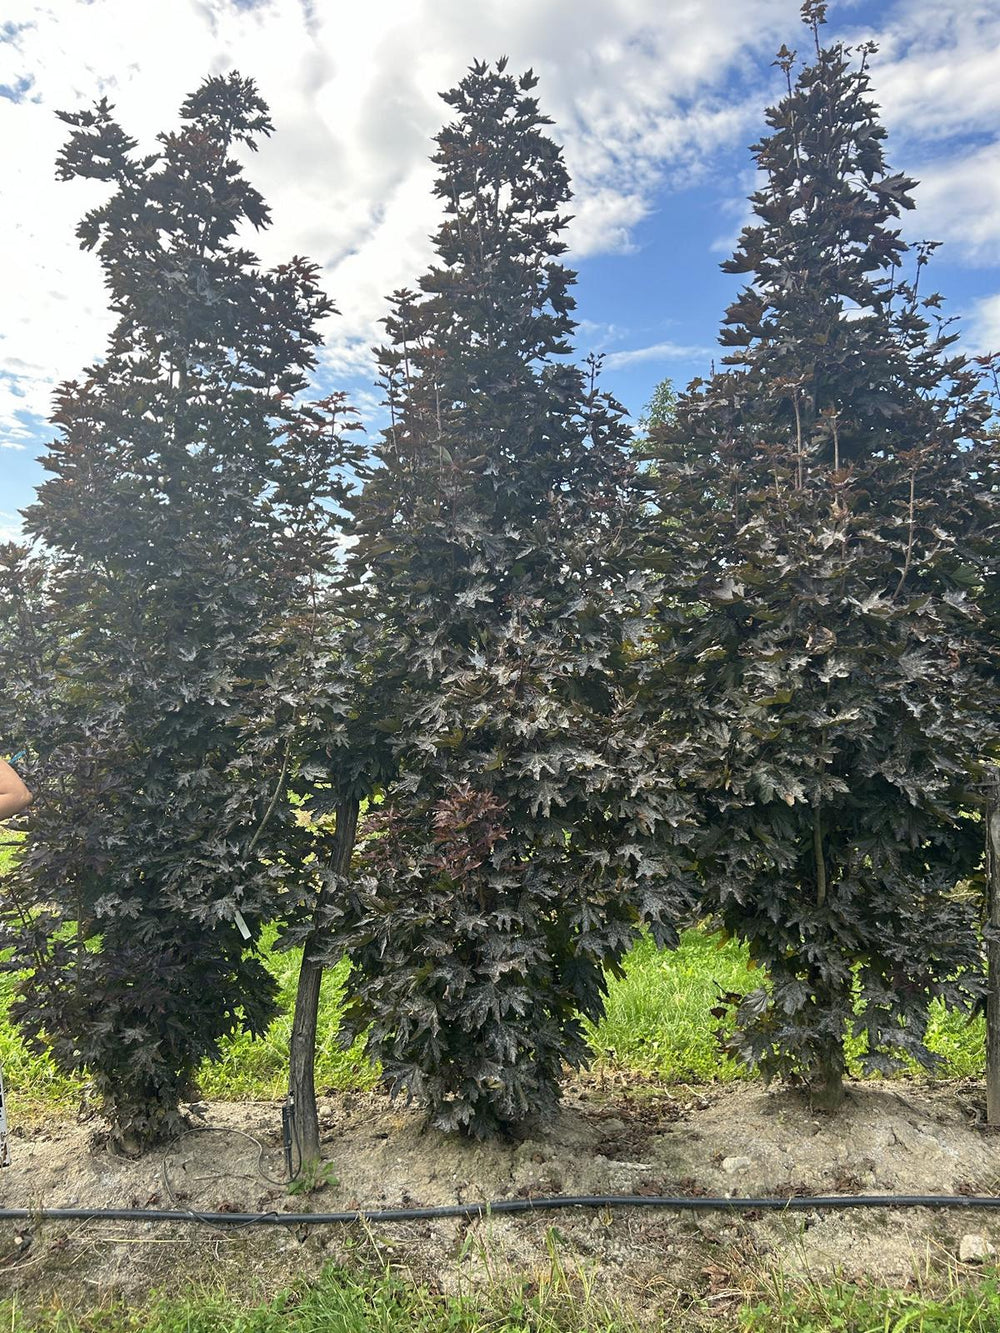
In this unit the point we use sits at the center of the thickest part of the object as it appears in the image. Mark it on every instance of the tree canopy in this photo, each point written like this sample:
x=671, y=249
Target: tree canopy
x=829, y=513
x=186, y=515
x=514, y=858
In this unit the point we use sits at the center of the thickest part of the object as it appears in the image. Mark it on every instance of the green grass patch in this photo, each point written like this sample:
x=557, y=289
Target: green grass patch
x=257, y=1068
x=959, y=1041
x=249, y=1069
x=34, y=1078
x=842, y=1308
x=350, y=1301
x=657, y=1020
x=339, y=1301
x=657, y=1024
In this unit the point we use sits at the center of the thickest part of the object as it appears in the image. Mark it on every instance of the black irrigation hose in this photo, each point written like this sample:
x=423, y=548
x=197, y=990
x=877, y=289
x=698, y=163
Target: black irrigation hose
x=681, y=1203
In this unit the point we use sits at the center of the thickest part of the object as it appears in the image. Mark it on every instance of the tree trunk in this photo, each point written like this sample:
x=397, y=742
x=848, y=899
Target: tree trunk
x=826, y=1092
x=993, y=950
x=828, y=1066
x=302, y=1053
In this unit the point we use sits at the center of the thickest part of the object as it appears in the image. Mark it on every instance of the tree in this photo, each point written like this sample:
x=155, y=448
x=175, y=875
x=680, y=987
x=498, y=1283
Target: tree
x=829, y=517
x=512, y=860
x=661, y=408
x=343, y=759
x=188, y=513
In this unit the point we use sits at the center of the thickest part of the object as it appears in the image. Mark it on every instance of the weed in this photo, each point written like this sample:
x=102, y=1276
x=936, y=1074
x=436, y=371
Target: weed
x=313, y=1177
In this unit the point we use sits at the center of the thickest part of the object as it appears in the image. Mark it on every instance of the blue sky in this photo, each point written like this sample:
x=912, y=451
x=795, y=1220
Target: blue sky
x=655, y=102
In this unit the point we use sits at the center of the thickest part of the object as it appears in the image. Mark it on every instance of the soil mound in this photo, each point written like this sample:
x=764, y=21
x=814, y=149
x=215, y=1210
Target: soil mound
x=609, y=1138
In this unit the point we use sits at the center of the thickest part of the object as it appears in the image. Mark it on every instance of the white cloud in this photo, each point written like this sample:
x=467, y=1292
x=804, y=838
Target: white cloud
x=642, y=93
x=663, y=351
x=981, y=326
x=936, y=73
x=959, y=202
x=738, y=211
x=10, y=526
x=598, y=336
x=635, y=88
x=937, y=79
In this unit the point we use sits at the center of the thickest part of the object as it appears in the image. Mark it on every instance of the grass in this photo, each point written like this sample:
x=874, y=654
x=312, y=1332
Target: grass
x=345, y=1300
x=842, y=1308
x=257, y=1069
x=342, y=1301
x=658, y=1022
x=657, y=1019
x=249, y=1069
x=33, y=1076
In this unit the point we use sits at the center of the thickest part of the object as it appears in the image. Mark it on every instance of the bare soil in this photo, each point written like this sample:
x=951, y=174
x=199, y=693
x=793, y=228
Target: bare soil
x=611, y=1137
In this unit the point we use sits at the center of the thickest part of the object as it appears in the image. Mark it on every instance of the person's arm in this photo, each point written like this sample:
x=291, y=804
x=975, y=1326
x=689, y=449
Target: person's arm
x=14, y=795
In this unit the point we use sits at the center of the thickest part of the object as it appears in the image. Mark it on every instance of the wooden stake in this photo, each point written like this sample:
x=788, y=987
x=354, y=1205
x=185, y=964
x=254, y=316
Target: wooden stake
x=302, y=1053
x=993, y=950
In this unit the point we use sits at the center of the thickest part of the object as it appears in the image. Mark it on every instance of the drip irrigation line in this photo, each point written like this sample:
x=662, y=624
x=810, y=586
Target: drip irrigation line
x=290, y=1137
x=209, y=1218
x=469, y=1211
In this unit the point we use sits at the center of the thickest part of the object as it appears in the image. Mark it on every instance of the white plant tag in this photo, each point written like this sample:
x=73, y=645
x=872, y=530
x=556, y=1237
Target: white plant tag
x=4, y=1141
